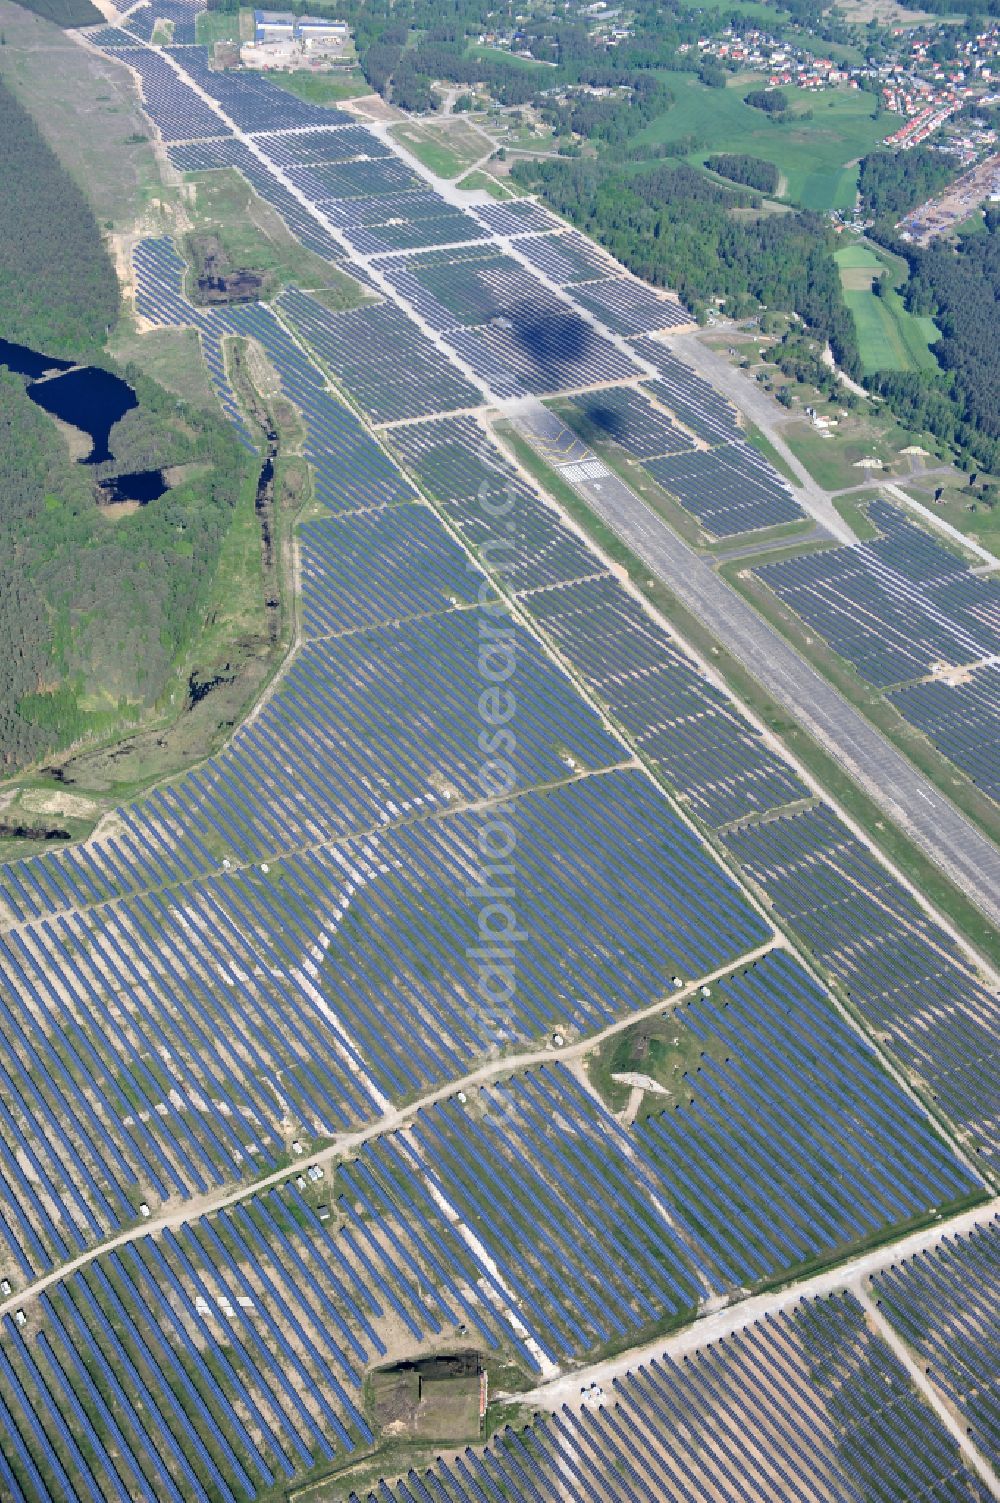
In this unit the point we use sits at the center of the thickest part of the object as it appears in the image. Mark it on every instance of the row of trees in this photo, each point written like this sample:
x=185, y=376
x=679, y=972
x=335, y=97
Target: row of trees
x=675, y=227
x=58, y=289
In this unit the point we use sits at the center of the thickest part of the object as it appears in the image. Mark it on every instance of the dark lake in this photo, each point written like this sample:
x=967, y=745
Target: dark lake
x=141, y=486
x=25, y=362
x=85, y=396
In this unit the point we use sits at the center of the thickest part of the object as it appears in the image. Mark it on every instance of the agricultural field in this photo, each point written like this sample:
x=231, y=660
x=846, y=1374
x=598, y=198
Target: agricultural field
x=817, y=157
x=889, y=337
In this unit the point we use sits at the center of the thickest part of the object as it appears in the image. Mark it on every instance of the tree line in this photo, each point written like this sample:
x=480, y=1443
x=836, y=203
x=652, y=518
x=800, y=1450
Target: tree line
x=750, y=172
x=674, y=227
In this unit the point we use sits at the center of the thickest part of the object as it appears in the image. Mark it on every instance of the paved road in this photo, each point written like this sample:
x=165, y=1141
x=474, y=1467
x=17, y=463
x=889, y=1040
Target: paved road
x=736, y=386
x=969, y=858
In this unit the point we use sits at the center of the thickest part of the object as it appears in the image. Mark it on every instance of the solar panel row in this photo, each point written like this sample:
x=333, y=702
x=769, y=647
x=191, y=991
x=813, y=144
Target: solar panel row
x=808, y=1405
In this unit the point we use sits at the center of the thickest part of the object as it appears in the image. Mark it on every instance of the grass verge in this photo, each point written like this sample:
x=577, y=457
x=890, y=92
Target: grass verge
x=764, y=446
x=852, y=509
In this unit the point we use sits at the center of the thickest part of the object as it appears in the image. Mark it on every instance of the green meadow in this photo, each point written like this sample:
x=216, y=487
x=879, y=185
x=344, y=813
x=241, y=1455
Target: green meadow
x=816, y=147
x=889, y=338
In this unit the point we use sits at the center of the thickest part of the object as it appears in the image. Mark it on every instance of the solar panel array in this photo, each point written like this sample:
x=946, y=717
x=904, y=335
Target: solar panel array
x=727, y=494
x=178, y=113
x=140, y=22
x=629, y=419
x=515, y=534
x=375, y=567
x=251, y=101
x=895, y=607
x=682, y=724
x=281, y=945
x=517, y=218
x=901, y=970
x=372, y=175
x=203, y=156
x=569, y=257
x=324, y=143
x=962, y=719
x=945, y=1303
x=110, y=36
x=630, y=307
x=729, y=487
x=389, y=367
x=350, y=471
x=160, y=299
x=809, y=1404
x=474, y=286
x=540, y=353
x=695, y=401
x=234, y=1348
x=768, y=1156
x=215, y=1017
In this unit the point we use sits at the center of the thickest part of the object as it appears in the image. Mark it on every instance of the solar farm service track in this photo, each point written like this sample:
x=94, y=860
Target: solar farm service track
x=260, y=1133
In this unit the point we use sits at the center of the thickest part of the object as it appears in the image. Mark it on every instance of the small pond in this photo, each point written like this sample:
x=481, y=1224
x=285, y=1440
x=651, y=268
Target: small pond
x=142, y=486
x=85, y=396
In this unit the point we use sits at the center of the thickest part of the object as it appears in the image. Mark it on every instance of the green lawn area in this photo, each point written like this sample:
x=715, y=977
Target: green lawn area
x=889, y=337
x=498, y=54
x=483, y=182
x=964, y=506
x=752, y=10
x=832, y=459
x=852, y=509
x=321, y=88
x=448, y=150
x=811, y=154
x=764, y=446
x=213, y=26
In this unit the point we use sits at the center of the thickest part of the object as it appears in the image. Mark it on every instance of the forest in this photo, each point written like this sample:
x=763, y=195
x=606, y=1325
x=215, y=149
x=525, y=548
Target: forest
x=674, y=227
x=97, y=606
x=65, y=13
x=749, y=172
x=892, y=183
x=960, y=286
x=58, y=289
x=95, y=610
